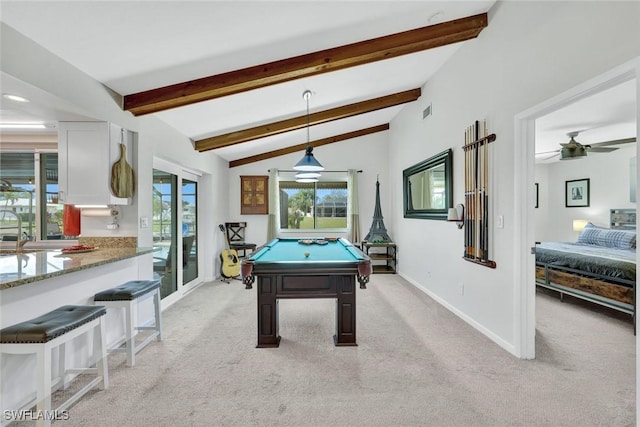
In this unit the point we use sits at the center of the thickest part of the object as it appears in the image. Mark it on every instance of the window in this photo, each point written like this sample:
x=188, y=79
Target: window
x=313, y=206
x=29, y=188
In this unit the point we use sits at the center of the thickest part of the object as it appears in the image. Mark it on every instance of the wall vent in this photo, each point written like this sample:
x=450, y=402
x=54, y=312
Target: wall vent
x=427, y=112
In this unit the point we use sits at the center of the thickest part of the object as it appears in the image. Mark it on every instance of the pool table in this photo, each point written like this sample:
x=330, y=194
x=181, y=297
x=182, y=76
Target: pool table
x=302, y=268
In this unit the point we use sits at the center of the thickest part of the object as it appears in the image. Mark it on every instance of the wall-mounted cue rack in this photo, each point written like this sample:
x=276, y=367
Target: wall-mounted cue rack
x=476, y=194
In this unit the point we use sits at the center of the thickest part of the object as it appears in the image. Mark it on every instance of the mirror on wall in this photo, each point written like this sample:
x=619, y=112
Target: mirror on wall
x=428, y=187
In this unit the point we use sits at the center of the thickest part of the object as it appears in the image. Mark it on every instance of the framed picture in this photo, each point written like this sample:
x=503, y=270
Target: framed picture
x=537, y=195
x=577, y=193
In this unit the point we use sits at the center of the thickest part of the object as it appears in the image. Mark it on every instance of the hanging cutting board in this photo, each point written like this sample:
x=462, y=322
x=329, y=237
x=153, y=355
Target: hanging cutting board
x=122, y=177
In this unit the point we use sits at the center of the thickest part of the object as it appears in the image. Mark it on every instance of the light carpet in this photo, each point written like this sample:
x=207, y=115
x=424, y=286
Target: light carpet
x=416, y=364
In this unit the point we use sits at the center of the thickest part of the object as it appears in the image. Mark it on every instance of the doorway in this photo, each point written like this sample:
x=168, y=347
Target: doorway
x=524, y=160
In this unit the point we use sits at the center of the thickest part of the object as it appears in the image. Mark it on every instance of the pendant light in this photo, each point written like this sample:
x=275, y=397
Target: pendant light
x=308, y=167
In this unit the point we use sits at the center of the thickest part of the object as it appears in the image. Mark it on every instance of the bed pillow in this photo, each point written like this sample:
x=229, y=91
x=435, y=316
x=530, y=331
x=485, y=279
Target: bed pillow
x=592, y=235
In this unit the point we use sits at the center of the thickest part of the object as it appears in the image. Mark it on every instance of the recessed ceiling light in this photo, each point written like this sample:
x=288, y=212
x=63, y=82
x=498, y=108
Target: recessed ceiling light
x=22, y=126
x=15, y=97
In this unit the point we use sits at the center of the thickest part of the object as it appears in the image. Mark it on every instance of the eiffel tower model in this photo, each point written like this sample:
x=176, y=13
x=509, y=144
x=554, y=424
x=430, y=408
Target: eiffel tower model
x=377, y=232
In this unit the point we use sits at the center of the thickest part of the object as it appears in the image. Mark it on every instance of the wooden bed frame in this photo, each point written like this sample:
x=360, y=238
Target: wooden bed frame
x=619, y=294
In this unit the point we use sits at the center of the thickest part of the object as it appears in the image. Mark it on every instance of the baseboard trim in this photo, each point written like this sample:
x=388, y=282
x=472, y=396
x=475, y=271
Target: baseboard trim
x=479, y=327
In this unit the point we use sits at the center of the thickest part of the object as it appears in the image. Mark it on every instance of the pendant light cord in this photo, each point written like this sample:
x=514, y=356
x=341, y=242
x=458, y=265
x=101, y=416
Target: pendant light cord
x=306, y=95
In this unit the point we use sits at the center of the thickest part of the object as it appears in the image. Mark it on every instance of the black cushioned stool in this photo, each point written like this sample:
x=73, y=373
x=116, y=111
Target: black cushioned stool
x=127, y=296
x=55, y=329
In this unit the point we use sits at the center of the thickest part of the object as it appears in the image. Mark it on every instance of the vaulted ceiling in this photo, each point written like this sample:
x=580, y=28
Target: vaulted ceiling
x=230, y=75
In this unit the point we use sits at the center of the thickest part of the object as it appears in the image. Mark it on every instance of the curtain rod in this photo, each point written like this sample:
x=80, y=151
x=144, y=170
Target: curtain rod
x=291, y=170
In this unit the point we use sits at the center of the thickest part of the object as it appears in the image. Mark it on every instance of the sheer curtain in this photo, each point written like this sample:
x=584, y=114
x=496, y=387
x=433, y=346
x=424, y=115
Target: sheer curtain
x=353, y=226
x=274, y=205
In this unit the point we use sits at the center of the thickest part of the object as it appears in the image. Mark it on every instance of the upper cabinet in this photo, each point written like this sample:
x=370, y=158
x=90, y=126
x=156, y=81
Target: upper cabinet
x=87, y=152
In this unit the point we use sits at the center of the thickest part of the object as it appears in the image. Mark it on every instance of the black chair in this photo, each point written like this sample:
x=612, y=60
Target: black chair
x=235, y=237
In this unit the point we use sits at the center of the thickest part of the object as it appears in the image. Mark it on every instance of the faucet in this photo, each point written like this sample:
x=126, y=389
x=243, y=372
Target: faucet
x=19, y=241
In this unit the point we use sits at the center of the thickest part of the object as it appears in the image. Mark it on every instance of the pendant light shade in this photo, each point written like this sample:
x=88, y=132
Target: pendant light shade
x=307, y=176
x=303, y=175
x=308, y=163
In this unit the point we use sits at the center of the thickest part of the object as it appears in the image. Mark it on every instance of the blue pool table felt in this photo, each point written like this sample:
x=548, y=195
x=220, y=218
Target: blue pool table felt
x=288, y=250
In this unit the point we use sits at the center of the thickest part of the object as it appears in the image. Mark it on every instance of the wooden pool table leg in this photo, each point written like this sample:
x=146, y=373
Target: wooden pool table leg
x=267, y=312
x=345, y=311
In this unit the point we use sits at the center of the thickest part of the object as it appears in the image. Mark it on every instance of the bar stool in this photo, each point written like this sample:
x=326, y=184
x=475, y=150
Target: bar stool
x=127, y=297
x=54, y=329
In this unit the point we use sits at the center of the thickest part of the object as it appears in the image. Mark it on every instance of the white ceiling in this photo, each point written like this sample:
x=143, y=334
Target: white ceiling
x=136, y=46
x=605, y=116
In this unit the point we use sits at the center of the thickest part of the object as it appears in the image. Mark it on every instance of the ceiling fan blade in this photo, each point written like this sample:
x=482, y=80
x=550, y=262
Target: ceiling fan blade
x=547, y=152
x=614, y=142
x=600, y=149
x=547, y=155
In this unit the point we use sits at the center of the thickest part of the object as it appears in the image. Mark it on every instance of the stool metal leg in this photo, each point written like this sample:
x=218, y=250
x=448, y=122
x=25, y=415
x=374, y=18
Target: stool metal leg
x=62, y=366
x=130, y=343
x=43, y=392
x=157, y=306
x=102, y=366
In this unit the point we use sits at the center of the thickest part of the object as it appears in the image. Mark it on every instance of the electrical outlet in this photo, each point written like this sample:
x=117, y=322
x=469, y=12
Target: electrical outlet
x=144, y=222
x=500, y=221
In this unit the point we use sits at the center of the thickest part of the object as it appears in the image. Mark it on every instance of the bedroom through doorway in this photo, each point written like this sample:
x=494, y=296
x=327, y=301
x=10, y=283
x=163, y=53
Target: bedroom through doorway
x=600, y=197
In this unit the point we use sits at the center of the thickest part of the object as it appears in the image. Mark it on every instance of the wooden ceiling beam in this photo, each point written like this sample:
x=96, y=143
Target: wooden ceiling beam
x=301, y=147
x=300, y=122
x=232, y=82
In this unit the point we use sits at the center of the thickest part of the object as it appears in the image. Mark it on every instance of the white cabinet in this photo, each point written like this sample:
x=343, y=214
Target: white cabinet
x=86, y=151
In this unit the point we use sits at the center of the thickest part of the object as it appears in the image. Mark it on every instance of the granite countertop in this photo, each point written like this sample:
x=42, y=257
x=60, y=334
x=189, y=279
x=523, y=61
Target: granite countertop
x=28, y=267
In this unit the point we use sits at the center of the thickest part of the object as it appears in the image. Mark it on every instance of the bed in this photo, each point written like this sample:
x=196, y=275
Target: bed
x=599, y=267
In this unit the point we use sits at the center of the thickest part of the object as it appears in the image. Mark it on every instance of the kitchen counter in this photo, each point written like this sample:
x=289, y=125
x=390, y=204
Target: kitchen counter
x=28, y=267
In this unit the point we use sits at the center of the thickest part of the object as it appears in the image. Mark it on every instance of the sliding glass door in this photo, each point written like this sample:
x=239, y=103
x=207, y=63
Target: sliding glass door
x=165, y=231
x=175, y=219
x=189, y=230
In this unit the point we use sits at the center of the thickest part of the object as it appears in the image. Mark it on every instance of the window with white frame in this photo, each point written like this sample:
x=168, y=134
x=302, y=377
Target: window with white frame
x=313, y=206
x=29, y=188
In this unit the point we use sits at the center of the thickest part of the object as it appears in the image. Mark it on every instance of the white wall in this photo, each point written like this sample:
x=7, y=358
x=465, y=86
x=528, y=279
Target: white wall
x=609, y=188
x=530, y=52
x=367, y=153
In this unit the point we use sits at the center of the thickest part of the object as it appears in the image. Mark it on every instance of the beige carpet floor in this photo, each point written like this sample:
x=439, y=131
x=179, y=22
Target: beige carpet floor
x=416, y=365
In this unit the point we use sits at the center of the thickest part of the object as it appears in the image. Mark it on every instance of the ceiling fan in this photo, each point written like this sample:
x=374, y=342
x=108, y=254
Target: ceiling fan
x=575, y=150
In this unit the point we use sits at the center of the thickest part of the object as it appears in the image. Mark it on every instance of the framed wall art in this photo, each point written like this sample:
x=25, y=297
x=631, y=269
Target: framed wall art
x=577, y=193
x=254, y=195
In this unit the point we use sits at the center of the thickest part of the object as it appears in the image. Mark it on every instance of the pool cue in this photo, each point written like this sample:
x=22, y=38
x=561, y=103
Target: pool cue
x=485, y=251
x=466, y=196
x=477, y=224
x=471, y=210
x=481, y=218
x=470, y=193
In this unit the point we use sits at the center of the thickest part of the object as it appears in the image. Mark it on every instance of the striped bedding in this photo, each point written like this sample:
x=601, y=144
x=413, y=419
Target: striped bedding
x=610, y=262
